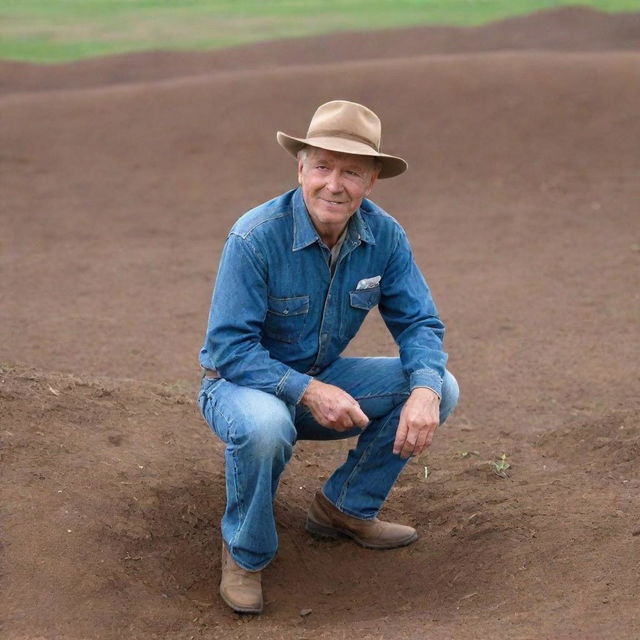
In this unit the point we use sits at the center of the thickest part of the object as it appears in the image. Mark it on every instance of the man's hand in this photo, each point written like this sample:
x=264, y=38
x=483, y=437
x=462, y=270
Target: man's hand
x=418, y=421
x=332, y=407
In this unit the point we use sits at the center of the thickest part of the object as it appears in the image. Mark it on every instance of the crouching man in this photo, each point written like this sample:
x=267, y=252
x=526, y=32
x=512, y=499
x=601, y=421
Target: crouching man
x=297, y=277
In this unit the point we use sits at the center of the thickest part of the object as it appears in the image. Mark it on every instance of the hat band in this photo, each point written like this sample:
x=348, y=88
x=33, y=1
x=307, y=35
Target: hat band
x=337, y=133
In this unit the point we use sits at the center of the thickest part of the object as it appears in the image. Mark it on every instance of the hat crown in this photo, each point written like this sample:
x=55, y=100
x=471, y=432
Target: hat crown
x=344, y=119
x=345, y=127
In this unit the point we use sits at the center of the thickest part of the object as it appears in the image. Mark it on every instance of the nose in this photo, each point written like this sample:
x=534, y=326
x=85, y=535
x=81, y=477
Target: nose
x=334, y=182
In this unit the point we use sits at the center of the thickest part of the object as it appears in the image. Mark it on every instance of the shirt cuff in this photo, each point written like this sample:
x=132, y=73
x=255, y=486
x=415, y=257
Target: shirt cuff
x=292, y=386
x=426, y=378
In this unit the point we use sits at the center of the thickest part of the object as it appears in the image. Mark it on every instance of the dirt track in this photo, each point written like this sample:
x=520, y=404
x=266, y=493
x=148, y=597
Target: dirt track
x=118, y=185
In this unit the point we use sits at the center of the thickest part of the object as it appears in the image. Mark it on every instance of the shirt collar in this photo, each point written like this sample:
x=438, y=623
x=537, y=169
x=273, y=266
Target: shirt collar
x=305, y=234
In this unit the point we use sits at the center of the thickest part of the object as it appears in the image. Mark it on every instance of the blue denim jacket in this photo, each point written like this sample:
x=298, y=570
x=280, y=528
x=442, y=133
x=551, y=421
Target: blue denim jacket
x=278, y=317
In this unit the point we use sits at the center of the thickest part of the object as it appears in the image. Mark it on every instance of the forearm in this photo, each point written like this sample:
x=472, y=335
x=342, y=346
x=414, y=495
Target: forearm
x=424, y=363
x=420, y=347
x=248, y=363
x=412, y=318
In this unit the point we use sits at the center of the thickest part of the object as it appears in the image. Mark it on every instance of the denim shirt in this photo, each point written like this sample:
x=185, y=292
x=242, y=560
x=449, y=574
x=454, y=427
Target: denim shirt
x=278, y=316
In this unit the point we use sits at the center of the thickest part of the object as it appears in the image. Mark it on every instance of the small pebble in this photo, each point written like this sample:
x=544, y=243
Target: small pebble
x=305, y=612
x=636, y=532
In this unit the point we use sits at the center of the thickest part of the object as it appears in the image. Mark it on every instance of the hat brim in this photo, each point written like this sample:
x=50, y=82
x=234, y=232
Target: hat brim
x=391, y=166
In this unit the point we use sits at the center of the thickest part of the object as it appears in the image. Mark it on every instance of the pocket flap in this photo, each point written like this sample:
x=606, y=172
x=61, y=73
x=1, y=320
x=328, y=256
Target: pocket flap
x=289, y=306
x=365, y=298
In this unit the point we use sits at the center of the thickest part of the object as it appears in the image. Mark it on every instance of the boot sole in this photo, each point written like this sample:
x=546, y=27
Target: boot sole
x=323, y=531
x=240, y=609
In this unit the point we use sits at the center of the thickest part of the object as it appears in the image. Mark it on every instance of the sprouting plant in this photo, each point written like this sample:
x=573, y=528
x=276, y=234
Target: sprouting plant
x=500, y=466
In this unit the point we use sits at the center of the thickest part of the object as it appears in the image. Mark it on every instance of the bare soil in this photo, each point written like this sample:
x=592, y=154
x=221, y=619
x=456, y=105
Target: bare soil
x=120, y=178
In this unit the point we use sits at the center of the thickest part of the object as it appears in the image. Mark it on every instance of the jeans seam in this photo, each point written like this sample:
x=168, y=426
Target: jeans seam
x=201, y=406
x=363, y=458
x=241, y=509
x=229, y=422
x=404, y=394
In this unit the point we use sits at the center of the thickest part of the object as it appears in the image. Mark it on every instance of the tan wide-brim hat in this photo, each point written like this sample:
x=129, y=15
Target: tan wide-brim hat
x=347, y=127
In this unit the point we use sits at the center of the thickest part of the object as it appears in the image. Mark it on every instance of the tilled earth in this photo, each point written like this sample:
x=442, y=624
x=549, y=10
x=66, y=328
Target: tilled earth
x=119, y=180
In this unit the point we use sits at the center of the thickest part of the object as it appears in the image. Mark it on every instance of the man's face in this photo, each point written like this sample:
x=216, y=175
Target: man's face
x=333, y=186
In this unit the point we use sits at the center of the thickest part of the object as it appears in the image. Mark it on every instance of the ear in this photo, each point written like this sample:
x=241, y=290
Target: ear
x=300, y=167
x=374, y=177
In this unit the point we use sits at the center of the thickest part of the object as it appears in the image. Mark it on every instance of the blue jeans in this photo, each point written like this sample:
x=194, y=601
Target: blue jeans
x=260, y=431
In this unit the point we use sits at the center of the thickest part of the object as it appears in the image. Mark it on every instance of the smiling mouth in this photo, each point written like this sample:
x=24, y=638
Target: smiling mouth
x=334, y=201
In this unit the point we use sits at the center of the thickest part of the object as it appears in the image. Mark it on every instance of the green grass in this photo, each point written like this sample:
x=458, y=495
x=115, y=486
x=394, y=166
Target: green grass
x=63, y=30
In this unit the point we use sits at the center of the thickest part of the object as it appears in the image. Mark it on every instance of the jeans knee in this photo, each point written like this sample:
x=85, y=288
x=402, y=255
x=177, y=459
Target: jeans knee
x=450, y=395
x=268, y=437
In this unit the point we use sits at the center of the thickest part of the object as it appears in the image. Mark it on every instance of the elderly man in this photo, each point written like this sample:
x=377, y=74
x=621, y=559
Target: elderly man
x=297, y=277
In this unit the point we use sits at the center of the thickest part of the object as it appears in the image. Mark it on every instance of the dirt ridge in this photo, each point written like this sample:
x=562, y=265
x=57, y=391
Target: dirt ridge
x=563, y=29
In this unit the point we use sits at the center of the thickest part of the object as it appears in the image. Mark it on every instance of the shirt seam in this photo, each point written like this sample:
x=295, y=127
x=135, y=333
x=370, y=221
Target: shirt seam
x=245, y=234
x=249, y=243
x=283, y=381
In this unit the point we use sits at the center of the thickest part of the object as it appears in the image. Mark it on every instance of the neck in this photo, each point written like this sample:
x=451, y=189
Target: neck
x=331, y=236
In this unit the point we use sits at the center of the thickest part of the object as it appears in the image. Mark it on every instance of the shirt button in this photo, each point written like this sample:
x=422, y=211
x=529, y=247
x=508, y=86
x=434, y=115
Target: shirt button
x=286, y=312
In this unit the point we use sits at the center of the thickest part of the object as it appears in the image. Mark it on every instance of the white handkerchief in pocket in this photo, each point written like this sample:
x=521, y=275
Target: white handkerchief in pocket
x=369, y=283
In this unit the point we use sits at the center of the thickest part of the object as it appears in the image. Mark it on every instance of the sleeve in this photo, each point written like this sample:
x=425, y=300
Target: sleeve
x=238, y=309
x=410, y=314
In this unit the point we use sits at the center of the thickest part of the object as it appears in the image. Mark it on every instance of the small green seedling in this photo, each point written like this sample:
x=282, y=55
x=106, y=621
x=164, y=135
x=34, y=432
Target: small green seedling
x=500, y=466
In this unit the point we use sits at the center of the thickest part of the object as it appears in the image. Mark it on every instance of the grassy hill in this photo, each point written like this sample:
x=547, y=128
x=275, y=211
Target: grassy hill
x=64, y=30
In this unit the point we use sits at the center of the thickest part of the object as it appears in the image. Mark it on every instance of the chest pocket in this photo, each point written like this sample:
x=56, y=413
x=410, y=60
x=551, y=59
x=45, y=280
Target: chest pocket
x=286, y=318
x=364, y=299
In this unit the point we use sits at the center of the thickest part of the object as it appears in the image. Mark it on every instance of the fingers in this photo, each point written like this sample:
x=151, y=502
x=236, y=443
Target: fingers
x=409, y=446
x=358, y=416
x=333, y=407
x=412, y=441
x=353, y=416
x=418, y=421
x=346, y=414
x=424, y=440
x=401, y=436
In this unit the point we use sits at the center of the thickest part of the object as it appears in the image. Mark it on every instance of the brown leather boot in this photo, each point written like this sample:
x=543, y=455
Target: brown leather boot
x=326, y=520
x=240, y=589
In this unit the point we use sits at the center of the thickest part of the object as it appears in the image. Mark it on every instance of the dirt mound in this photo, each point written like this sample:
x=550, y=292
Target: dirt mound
x=563, y=29
x=521, y=205
x=125, y=486
x=608, y=445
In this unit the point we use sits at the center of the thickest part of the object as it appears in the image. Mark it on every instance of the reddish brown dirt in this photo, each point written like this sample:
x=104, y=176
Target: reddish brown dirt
x=522, y=206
